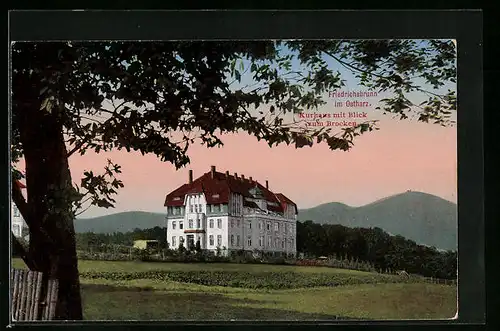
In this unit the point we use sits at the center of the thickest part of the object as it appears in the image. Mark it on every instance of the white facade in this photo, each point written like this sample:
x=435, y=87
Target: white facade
x=17, y=221
x=241, y=223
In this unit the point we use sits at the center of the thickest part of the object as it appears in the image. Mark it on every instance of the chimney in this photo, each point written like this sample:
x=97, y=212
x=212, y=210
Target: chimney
x=251, y=180
x=212, y=171
x=190, y=181
x=243, y=177
x=267, y=185
x=235, y=175
x=227, y=174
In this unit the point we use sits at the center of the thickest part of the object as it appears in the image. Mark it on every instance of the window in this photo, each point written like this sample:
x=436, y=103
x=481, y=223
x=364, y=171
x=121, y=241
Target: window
x=181, y=225
x=268, y=226
x=276, y=226
x=219, y=223
x=284, y=228
x=198, y=225
x=174, y=223
x=219, y=240
x=260, y=225
x=232, y=240
x=238, y=223
x=249, y=241
x=211, y=223
x=217, y=208
x=232, y=223
x=276, y=242
x=283, y=243
x=190, y=224
x=16, y=212
x=211, y=239
x=174, y=242
x=249, y=224
x=269, y=242
x=16, y=229
x=191, y=208
x=199, y=208
x=261, y=241
x=237, y=240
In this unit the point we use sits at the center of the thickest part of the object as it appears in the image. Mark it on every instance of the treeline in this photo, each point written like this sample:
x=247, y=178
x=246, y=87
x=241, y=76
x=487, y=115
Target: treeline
x=375, y=246
x=90, y=241
x=371, y=246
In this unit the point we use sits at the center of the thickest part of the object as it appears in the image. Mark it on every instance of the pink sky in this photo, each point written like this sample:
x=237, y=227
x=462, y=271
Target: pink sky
x=402, y=155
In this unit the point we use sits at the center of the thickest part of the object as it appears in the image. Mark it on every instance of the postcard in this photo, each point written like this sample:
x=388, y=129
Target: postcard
x=266, y=180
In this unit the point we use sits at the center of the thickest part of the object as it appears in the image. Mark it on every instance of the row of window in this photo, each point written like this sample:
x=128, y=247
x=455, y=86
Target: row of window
x=210, y=240
x=284, y=227
x=235, y=239
x=195, y=208
x=198, y=208
x=211, y=223
x=277, y=243
x=198, y=224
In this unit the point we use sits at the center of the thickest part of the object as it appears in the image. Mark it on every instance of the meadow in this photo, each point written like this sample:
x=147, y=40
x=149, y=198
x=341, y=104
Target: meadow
x=133, y=290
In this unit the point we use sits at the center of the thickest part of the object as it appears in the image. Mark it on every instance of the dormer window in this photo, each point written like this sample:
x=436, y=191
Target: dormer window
x=177, y=198
x=215, y=196
x=256, y=192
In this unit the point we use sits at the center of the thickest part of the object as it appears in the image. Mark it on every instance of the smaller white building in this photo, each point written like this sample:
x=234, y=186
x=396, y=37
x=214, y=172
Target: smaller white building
x=17, y=222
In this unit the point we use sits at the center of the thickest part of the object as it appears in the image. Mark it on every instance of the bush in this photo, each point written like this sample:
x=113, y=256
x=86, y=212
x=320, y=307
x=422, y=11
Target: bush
x=254, y=280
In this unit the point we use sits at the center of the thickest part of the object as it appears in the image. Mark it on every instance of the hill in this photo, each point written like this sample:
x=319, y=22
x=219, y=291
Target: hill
x=422, y=217
x=120, y=222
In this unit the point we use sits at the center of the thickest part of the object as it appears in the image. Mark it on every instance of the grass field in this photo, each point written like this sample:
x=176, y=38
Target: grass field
x=141, y=295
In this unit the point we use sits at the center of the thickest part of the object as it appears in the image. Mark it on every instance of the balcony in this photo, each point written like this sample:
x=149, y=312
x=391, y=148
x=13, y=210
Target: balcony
x=194, y=230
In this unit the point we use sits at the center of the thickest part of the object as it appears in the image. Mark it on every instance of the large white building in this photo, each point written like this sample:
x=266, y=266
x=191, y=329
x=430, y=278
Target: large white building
x=17, y=221
x=232, y=213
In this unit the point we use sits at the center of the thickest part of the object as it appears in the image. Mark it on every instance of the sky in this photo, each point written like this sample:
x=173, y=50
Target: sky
x=403, y=155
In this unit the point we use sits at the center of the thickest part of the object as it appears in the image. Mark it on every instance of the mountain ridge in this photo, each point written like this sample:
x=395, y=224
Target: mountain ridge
x=422, y=217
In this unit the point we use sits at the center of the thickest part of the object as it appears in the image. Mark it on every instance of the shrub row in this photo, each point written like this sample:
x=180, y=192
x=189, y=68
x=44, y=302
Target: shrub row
x=257, y=280
x=338, y=263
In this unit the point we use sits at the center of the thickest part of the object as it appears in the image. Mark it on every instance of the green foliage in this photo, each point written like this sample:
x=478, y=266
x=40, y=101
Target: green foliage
x=253, y=280
x=198, y=247
x=159, y=97
x=375, y=247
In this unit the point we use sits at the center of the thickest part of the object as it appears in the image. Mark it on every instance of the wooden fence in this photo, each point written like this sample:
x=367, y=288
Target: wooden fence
x=33, y=297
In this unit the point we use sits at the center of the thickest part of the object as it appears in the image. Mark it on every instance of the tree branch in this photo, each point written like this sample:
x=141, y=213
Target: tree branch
x=354, y=68
x=24, y=253
x=24, y=210
x=77, y=147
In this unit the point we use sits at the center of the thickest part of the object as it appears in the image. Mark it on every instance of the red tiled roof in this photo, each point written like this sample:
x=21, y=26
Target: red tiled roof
x=218, y=189
x=284, y=201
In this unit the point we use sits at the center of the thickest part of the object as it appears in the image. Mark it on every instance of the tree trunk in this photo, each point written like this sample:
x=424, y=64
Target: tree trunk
x=49, y=207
